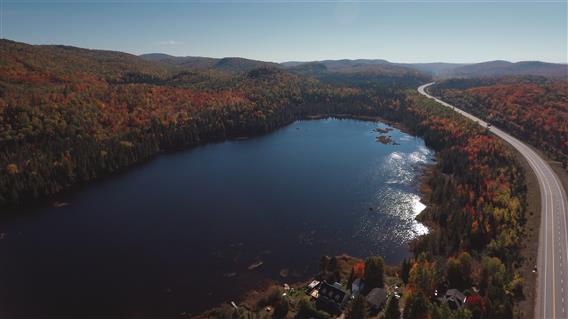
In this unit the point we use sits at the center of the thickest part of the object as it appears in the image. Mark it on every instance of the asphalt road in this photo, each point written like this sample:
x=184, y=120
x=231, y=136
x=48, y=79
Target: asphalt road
x=552, y=271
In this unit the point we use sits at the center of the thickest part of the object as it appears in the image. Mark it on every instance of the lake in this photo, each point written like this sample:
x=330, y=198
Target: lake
x=179, y=233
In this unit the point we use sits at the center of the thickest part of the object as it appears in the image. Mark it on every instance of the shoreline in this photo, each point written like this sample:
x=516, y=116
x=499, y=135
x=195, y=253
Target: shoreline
x=367, y=118
x=251, y=300
x=66, y=195
x=427, y=169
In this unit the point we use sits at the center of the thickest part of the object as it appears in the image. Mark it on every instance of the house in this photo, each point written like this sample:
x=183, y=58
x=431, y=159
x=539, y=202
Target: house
x=331, y=298
x=312, y=289
x=454, y=298
x=376, y=298
x=313, y=285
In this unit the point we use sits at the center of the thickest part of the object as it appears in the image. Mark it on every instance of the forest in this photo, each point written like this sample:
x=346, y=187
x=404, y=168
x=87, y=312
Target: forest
x=476, y=210
x=476, y=206
x=534, y=109
x=69, y=116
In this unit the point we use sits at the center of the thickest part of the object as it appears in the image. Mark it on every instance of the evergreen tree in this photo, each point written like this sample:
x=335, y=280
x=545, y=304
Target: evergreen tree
x=405, y=270
x=358, y=309
x=417, y=307
x=374, y=273
x=392, y=310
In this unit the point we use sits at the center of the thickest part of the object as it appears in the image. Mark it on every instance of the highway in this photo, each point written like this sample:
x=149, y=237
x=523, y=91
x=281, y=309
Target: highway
x=552, y=267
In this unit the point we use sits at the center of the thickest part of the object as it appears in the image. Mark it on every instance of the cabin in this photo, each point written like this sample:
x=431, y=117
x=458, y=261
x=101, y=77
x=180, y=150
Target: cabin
x=313, y=285
x=312, y=289
x=454, y=298
x=331, y=298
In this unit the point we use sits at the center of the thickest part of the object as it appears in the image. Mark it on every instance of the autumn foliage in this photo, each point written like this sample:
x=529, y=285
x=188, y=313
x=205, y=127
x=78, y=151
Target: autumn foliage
x=534, y=109
x=69, y=115
x=476, y=207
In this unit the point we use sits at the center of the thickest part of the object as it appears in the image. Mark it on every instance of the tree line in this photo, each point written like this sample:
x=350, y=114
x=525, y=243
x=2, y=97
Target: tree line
x=533, y=109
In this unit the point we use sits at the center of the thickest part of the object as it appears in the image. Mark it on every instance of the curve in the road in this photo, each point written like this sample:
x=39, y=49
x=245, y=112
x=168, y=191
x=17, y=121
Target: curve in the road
x=552, y=293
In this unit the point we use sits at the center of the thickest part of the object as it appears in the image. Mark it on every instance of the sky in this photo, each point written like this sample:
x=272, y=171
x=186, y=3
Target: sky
x=463, y=31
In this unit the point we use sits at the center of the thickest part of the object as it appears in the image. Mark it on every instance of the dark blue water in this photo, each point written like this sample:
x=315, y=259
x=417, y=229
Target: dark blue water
x=179, y=233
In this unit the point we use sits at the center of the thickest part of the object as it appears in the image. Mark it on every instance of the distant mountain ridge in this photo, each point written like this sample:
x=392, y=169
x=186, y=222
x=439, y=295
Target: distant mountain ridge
x=495, y=68
x=506, y=68
x=228, y=64
x=434, y=68
x=344, y=64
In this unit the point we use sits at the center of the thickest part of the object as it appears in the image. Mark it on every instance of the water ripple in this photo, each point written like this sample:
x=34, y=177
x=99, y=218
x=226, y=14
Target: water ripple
x=396, y=203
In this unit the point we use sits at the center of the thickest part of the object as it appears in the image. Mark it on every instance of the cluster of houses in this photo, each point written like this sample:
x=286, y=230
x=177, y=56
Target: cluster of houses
x=333, y=298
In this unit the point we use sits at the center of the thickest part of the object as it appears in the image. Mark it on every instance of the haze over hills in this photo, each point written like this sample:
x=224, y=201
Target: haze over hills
x=337, y=72
x=441, y=69
x=495, y=68
x=433, y=68
x=505, y=68
x=114, y=65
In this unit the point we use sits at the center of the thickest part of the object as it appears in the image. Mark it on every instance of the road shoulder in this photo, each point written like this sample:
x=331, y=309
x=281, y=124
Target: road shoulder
x=529, y=249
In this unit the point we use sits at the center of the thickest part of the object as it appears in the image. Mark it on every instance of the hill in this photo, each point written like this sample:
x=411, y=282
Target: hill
x=434, y=68
x=498, y=68
x=185, y=62
x=70, y=115
x=363, y=73
x=62, y=63
x=236, y=65
x=362, y=64
x=336, y=65
x=229, y=64
x=504, y=68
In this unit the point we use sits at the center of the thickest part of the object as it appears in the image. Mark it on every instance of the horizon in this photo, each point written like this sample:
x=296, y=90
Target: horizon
x=462, y=32
x=290, y=61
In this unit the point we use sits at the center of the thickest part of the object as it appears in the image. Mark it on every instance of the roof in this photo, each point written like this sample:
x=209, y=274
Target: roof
x=454, y=298
x=377, y=297
x=331, y=293
x=313, y=284
x=456, y=294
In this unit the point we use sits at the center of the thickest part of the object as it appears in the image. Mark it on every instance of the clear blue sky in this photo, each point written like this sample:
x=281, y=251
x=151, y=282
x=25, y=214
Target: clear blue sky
x=399, y=31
